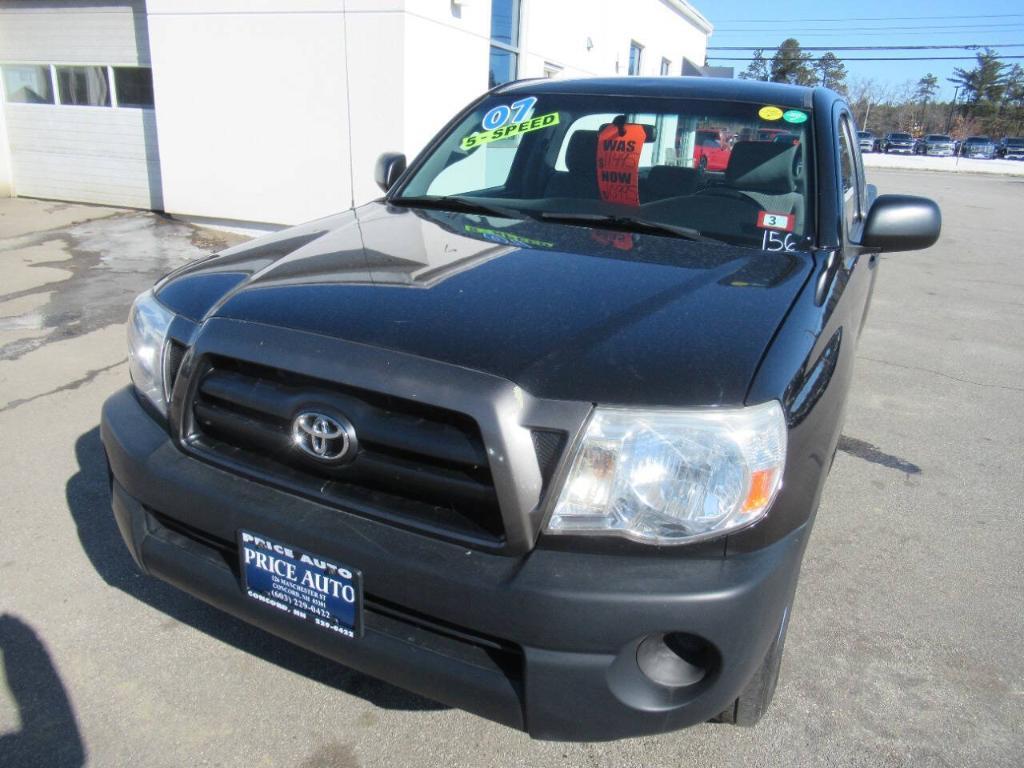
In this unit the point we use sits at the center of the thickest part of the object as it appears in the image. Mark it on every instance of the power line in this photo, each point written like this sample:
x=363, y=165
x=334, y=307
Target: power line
x=971, y=47
x=877, y=34
x=870, y=58
x=952, y=27
x=877, y=18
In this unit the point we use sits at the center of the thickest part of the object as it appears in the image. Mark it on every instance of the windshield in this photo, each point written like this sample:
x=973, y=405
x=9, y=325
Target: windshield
x=721, y=170
x=902, y=136
x=1015, y=142
x=938, y=137
x=978, y=140
x=864, y=135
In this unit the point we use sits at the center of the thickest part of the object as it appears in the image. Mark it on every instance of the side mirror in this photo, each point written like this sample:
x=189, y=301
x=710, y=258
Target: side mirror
x=389, y=167
x=901, y=223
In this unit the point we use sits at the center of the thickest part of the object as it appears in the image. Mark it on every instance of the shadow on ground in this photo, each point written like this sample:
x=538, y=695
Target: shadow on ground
x=49, y=734
x=88, y=497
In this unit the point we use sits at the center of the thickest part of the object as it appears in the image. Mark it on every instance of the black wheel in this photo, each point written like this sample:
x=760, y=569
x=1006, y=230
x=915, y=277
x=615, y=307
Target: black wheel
x=753, y=701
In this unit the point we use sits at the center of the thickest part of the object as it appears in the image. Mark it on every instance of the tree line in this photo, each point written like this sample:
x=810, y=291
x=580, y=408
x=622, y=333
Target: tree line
x=989, y=95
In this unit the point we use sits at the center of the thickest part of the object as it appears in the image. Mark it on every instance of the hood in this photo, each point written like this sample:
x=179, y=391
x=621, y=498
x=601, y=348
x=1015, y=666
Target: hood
x=566, y=312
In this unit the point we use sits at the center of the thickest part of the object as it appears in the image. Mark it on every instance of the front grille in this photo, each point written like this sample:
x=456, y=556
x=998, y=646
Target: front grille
x=548, y=444
x=174, y=355
x=417, y=465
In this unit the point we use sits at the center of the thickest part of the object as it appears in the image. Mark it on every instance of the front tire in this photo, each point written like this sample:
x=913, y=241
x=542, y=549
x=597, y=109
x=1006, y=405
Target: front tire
x=749, y=707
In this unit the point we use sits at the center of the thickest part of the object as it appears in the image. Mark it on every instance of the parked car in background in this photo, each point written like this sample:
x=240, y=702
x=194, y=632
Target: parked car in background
x=1011, y=148
x=711, y=149
x=534, y=447
x=867, y=140
x=935, y=144
x=769, y=134
x=901, y=143
x=979, y=147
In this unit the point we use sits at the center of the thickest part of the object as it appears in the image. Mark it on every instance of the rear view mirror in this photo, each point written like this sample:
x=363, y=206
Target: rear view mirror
x=389, y=167
x=901, y=223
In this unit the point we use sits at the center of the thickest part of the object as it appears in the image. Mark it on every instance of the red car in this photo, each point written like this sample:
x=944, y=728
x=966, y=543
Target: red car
x=711, y=149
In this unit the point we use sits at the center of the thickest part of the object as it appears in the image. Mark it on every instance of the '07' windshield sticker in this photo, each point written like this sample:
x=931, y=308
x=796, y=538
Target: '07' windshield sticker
x=509, y=130
x=503, y=114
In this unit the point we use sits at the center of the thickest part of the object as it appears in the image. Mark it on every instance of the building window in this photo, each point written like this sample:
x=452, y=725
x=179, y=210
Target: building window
x=666, y=66
x=25, y=84
x=134, y=86
x=83, y=86
x=504, y=63
x=635, y=54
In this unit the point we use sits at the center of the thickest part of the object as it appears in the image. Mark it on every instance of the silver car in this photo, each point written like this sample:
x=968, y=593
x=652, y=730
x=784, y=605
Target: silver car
x=936, y=145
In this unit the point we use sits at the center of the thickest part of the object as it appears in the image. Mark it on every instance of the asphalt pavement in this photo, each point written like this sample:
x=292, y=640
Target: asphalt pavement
x=904, y=647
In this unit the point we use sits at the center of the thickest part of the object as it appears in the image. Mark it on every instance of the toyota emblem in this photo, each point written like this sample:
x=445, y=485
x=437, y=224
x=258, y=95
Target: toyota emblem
x=325, y=438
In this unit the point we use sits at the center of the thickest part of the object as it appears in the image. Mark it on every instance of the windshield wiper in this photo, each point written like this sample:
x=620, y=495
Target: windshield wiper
x=459, y=204
x=631, y=224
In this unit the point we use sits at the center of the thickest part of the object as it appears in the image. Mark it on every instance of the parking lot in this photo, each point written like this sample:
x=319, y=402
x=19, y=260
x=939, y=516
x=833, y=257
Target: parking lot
x=904, y=647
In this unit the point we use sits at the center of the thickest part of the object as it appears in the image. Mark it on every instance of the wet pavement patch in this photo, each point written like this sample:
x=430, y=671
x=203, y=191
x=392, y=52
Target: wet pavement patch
x=97, y=269
x=865, y=450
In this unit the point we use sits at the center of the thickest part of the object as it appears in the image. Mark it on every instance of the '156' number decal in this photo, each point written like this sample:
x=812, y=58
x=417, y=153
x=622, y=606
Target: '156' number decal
x=778, y=241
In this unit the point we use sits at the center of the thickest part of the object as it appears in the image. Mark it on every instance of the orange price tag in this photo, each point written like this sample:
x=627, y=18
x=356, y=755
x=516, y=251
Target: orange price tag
x=618, y=160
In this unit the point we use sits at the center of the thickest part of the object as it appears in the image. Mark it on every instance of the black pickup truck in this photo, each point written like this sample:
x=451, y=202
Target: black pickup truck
x=541, y=433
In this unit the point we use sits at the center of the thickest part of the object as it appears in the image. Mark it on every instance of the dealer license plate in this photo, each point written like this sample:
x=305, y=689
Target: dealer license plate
x=309, y=587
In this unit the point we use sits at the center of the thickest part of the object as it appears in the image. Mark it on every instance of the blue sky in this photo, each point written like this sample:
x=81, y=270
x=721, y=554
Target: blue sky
x=871, y=22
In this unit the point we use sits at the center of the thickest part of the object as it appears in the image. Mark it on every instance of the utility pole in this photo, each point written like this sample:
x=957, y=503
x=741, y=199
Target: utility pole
x=952, y=106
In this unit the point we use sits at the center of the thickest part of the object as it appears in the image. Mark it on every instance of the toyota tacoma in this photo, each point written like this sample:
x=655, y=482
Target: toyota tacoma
x=541, y=433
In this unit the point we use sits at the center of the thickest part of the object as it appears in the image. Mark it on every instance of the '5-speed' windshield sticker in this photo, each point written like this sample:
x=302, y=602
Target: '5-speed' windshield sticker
x=509, y=130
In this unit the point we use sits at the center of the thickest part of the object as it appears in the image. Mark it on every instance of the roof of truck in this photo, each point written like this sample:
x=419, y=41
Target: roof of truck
x=672, y=87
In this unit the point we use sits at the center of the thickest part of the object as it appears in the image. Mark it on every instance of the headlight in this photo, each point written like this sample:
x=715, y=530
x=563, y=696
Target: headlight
x=673, y=477
x=147, y=333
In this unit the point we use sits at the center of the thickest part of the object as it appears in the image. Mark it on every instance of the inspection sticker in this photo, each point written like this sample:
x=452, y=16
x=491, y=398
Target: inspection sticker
x=783, y=221
x=769, y=113
x=510, y=130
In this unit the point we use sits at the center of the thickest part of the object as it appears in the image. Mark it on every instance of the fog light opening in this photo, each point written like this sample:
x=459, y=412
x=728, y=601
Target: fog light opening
x=675, y=659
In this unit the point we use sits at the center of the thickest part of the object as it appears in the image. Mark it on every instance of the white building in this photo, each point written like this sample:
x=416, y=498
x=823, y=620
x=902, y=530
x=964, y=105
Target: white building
x=273, y=111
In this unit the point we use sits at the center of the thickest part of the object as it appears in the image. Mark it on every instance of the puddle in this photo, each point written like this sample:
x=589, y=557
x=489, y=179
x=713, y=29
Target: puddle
x=108, y=261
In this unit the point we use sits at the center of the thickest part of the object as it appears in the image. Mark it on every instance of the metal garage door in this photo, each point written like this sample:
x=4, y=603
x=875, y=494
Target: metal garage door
x=78, y=101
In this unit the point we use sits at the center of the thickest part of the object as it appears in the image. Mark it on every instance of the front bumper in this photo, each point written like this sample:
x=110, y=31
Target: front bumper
x=900, y=150
x=546, y=642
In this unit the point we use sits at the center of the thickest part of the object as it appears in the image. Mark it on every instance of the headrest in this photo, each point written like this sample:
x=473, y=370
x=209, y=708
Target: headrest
x=581, y=154
x=761, y=166
x=673, y=175
x=670, y=181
